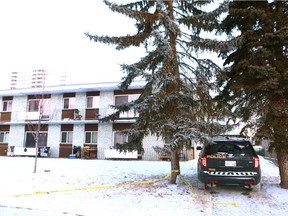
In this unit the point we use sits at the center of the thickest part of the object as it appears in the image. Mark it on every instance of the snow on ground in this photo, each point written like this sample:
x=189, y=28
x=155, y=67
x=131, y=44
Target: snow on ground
x=92, y=187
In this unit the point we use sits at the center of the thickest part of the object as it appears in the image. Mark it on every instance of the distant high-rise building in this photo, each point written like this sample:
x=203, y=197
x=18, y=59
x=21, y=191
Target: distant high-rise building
x=36, y=79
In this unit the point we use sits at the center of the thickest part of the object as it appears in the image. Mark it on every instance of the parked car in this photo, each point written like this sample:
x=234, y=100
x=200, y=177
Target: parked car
x=228, y=161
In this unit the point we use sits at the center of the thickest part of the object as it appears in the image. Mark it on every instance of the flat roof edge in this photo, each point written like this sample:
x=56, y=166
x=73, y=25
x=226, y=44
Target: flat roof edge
x=84, y=87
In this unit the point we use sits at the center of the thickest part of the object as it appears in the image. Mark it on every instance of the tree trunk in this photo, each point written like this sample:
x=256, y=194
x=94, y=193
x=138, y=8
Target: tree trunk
x=36, y=143
x=175, y=166
x=280, y=139
x=36, y=156
x=282, y=156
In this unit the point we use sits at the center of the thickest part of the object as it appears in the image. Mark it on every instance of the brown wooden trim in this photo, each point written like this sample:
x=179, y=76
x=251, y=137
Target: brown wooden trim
x=65, y=150
x=119, y=127
x=91, y=127
x=39, y=96
x=4, y=128
x=67, y=127
x=129, y=91
x=5, y=116
x=91, y=113
x=3, y=149
x=65, y=95
x=68, y=113
x=95, y=93
x=7, y=98
x=32, y=127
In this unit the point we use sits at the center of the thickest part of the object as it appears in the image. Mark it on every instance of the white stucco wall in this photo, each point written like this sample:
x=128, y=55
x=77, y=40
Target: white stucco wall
x=19, y=105
x=17, y=135
x=81, y=103
x=105, y=130
x=106, y=99
x=105, y=138
x=78, y=135
x=56, y=106
x=54, y=137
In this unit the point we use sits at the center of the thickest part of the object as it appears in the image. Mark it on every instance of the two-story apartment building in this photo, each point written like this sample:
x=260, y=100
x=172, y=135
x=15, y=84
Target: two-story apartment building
x=68, y=116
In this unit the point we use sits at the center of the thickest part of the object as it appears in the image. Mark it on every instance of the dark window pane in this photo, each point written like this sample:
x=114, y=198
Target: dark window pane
x=64, y=137
x=66, y=103
x=88, y=137
x=120, y=100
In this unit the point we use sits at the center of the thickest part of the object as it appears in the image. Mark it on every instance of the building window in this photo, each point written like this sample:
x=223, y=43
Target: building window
x=69, y=103
x=66, y=136
x=4, y=137
x=123, y=99
x=91, y=137
x=7, y=106
x=33, y=105
x=93, y=102
x=39, y=105
x=30, y=139
x=120, y=138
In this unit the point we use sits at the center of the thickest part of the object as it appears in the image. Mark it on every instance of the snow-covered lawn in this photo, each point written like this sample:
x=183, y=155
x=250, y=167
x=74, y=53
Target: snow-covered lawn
x=93, y=187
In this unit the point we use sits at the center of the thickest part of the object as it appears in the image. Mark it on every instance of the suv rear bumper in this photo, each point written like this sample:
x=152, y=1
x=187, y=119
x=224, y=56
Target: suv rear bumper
x=230, y=178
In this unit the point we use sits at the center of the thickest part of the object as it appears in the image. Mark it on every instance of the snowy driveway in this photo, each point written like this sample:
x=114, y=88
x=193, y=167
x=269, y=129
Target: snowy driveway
x=78, y=187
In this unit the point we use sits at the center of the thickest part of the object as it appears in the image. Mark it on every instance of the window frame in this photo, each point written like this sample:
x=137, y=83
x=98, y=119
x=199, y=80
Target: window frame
x=41, y=143
x=68, y=138
x=94, y=104
x=71, y=102
x=8, y=106
x=91, y=137
x=43, y=106
x=35, y=107
x=124, y=138
x=4, y=136
x=130, y=98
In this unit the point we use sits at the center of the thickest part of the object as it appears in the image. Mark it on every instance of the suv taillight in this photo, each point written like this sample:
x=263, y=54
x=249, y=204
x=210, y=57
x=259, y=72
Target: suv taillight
x=256, y=162
x=203, y=161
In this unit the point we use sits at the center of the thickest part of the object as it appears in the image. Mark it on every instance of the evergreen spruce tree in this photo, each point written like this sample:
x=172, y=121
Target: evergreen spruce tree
x=256, y=78
x=176, y=104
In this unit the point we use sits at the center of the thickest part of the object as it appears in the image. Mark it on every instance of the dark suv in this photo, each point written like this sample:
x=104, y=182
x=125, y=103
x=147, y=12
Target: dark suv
x=228, y=161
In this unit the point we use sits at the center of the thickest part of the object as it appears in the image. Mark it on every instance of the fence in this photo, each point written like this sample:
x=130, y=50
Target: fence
x=150, y=154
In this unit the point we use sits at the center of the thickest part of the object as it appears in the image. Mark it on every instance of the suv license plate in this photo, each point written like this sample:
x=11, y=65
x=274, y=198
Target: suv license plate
x=230, y=163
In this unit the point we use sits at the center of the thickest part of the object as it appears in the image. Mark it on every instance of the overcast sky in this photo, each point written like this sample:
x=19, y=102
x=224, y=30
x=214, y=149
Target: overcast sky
x=49, y=34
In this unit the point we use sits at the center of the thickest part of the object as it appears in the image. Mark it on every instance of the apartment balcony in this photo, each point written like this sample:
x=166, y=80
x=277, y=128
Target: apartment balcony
x=95, y=114
x=32, y=116
x=92, y=114
x=126, y=115
x=67, y=116
x=5, y=116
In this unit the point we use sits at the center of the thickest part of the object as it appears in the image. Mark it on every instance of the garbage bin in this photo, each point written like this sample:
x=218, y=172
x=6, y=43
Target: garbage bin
x=77, y=151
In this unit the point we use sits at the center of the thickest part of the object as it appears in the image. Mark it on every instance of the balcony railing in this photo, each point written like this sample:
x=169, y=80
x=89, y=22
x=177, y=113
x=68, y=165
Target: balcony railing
x=5, y=116
x=126, y=115
x=88, y=114
x=32, y=116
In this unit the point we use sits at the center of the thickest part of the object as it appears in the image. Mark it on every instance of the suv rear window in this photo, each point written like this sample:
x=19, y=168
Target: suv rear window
x=231, y=147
